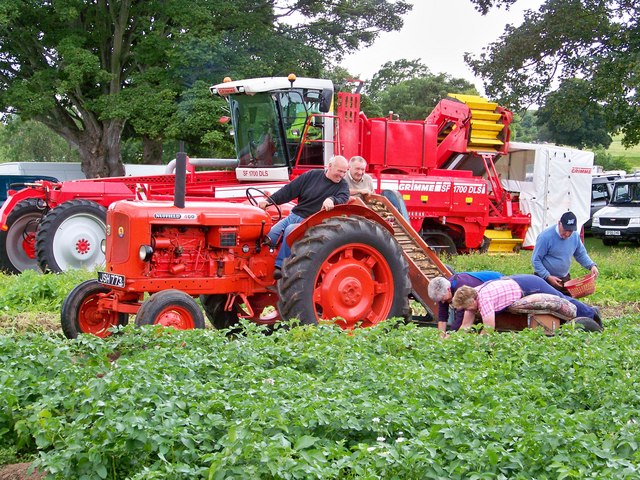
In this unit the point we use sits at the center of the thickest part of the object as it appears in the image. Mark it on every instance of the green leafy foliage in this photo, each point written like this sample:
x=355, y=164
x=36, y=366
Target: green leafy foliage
x=415, y=98
x=581, y=125
x=87, y=69
x=392, y=401
x=26, y=141
x=33, y=292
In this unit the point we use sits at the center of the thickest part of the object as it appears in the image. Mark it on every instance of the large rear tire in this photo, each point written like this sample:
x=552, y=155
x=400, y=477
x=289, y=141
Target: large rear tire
x=80, y=312
x=171, y=308
x=348, y=268
x=17, y=243
x=69, y=237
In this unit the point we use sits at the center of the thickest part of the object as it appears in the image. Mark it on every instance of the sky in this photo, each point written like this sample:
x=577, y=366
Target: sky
x=439, y=32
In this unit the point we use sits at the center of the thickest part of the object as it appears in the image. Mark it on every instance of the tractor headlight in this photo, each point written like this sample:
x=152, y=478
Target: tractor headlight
x=103, y=246
x=145, y=253
x=595, y=222
x=634, y=221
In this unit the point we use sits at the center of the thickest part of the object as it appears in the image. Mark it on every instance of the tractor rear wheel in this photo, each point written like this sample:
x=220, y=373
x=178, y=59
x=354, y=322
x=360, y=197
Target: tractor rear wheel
x=80, y=313
x=348, y=268
x=171, y=308
x=214, y=309
x=18, y=242
x=69, y=236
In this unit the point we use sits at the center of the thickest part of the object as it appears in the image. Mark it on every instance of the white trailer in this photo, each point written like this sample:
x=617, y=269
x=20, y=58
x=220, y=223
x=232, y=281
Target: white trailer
x=549, y=180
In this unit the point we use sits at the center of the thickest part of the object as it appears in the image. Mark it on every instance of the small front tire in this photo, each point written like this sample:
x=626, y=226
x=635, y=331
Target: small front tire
x=171, y=308
x=81, y=314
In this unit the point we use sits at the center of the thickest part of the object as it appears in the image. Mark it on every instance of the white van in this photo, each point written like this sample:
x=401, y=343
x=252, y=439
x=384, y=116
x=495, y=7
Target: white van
x=620, y=219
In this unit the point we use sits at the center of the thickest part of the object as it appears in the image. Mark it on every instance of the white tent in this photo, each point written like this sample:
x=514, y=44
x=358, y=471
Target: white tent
x=550, y=180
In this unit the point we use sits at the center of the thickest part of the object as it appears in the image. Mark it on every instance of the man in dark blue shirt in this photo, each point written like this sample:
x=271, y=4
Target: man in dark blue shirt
x=315, y=190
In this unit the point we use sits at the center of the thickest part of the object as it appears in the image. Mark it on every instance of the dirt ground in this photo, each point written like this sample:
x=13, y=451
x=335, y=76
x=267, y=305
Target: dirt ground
x=18, y=471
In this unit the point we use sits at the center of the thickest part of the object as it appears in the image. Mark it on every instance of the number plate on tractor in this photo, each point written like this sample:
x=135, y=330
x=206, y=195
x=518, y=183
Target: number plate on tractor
x=112, y=279
x=612, y=233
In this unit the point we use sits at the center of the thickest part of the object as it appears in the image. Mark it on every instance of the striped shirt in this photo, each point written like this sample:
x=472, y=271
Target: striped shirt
x=497, y=295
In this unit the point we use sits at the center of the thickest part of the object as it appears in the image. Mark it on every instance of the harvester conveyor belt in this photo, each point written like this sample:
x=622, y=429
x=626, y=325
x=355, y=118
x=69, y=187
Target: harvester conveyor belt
x=424, y=264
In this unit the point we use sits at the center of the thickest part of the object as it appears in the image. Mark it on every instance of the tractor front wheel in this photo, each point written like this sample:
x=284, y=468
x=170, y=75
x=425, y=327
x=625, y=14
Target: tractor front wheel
x=81, y=313
x=171, y=308
x=346, y=268
x=69, y=236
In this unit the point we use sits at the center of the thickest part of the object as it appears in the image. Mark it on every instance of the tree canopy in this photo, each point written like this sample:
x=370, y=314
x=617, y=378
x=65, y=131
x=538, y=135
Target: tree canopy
x=581, y=126
x=86, y=69
x=415, y=97
x=595, y=41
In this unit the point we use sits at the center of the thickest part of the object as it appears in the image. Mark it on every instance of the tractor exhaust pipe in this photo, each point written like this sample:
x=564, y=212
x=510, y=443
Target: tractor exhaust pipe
x=181, y=178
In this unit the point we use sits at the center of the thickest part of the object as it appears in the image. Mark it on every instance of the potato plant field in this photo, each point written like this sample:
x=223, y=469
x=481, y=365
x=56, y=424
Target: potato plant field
x=393, y=401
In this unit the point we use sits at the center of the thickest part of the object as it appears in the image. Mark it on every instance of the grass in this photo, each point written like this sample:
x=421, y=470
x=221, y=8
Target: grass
x=631, y=155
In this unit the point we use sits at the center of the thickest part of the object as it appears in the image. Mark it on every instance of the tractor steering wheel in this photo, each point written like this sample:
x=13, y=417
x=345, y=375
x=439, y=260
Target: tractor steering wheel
x=253, y=201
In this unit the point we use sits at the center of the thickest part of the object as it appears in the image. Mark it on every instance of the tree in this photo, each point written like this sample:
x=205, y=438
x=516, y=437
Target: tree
x=523, y=127
x=593, y=40
x=392, y=73
x=415, y=98
x=580, y=126
x=86, y=68
x=32, y=141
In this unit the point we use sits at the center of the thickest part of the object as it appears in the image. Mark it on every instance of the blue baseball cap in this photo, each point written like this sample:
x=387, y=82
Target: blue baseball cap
x=569, y=221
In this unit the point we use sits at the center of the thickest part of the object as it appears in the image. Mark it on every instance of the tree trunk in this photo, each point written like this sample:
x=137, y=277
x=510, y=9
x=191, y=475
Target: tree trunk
x=100, y=150
x=152, y=151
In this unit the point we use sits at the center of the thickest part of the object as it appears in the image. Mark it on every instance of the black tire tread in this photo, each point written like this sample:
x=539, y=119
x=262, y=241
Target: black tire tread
x=74, y=300
x=159, y=301
x=50, y=223
x=305, y=252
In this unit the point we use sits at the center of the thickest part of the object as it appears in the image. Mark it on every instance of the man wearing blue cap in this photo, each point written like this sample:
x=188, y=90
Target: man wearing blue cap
x=554, y=249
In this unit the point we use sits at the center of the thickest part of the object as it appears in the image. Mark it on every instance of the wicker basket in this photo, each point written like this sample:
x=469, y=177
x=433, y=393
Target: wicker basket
x=581, y=286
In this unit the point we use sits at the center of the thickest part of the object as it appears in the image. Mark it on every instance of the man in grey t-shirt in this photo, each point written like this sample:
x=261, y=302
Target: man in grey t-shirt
x=359, y=182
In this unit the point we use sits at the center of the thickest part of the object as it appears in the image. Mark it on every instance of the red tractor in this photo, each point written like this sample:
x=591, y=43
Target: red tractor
x=345, y=264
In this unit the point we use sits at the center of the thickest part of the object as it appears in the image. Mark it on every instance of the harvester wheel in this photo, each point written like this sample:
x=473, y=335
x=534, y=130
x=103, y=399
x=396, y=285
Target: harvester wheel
x=347, y=268
x=587, y=324
x=214, y=309
x=171, y=308
x=80, y=312
x=69, y=236
x=439, y=242
x=18, y=242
